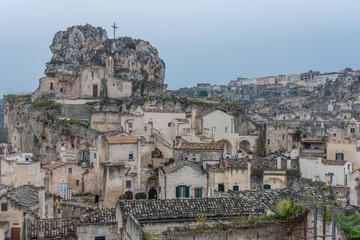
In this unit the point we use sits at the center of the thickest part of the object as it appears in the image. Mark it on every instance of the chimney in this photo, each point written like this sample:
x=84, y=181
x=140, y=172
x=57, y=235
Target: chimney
x=123, y=107
x=193, y=117
x=41, y=193
x=288, y=163
x=278, y=161
x=249, y=173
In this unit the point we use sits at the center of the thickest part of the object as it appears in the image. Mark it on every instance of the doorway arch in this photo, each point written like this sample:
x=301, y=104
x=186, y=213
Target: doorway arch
x=152, y=193
x=129, y=195
x=227, y=147
x=246, y=144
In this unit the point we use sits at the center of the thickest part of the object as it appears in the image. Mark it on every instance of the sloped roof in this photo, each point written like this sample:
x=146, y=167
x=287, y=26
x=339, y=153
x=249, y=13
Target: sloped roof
x=26, y=195
x=118, y=140
x=182, y=163
x=244, y=202
x=201, y=146
x=53, y=166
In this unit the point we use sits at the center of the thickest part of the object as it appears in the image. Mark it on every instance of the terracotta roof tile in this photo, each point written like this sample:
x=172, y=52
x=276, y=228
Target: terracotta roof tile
x=54, y=165
x=203, y=146
x=127, y=139
x=243, y=202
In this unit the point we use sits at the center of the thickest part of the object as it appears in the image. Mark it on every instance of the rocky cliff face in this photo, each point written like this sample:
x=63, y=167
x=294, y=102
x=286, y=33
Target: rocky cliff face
x=1, y=113
x=83, y=46
x=55, y=128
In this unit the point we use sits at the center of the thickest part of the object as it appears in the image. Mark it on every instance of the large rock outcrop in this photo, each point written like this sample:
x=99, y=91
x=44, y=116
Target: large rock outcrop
x=122, y=66
x=81, y=46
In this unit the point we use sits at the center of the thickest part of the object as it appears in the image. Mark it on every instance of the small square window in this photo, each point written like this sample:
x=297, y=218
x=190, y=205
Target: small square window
x=94, y=155
x=131, y=156
x=235, y=188
x=70, y=170
x=221, y=187
x=128, y=184
x=130, y=126
x=226, y=129
x=4, y=207
x=77, y=182
x=145, y=128
x=213, y=129
x=61, y=90
x=198, y=193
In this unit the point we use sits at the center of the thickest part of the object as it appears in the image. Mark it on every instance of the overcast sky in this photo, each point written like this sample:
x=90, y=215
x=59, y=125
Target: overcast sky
x=211, y=41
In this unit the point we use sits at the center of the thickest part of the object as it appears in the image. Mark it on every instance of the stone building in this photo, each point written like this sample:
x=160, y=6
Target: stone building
x=25, y=202
x=199, y=152
x=183, y=179
x=183, y=218
x=61, y=176
x=21, y=169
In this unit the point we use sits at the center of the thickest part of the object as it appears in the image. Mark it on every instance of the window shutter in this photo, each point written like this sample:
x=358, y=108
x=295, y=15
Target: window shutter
x=177, y=192
x=187, y=191
x=4, y=207
x=235, y=188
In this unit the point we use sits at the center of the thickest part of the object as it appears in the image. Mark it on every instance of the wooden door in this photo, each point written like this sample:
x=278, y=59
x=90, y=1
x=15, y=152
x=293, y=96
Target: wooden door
x=152, y=193
x=95, y=90
x=15, y=233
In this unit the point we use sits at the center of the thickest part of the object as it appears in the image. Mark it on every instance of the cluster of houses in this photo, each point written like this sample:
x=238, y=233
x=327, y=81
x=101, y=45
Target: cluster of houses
x=139, y=170
x=170, y=156
x=310, y=80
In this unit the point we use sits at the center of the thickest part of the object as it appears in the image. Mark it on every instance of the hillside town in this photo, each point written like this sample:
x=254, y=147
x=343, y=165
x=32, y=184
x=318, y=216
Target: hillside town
x=102, y=150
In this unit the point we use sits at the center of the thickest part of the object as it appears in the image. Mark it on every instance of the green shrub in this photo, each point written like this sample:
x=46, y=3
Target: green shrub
x=104, y=101
x=123, y=197
x=47, y=104
x=350, y=225
x=153, y=153
x=140, y=195
x=131, y=45
x=150, y=165
x=171, y=160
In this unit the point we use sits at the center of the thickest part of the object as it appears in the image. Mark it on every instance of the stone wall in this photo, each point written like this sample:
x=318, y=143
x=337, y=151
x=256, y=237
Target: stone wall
x=90, y=231
x=132, y=229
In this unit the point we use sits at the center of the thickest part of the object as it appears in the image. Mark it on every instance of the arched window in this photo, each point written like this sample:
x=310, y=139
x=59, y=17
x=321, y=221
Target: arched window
x=339, y=156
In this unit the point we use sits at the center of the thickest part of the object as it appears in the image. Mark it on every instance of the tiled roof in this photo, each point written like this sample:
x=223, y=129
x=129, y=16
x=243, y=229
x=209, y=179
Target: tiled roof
x=182, y=163
x=333, y=162
x=99, y=215
x=127, y=139
x=54, y=165
x=200, y=146
x=243, y=202
x=265, y=163
x=185, y=208
x=26, y=195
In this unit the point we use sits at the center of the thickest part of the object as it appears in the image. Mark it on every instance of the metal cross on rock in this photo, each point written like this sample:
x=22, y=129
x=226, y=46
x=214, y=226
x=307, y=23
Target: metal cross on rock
x=114, y=27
